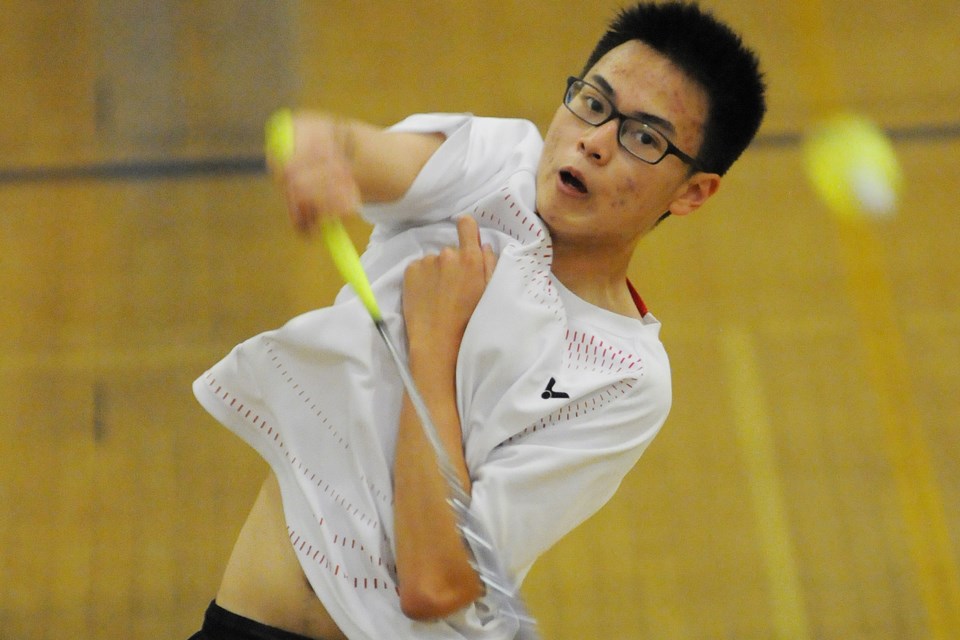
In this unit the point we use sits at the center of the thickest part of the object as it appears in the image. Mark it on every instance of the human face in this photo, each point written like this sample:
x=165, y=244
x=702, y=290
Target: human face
x=590, y=190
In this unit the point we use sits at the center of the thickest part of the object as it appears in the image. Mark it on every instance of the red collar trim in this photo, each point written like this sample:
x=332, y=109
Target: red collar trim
x=637, y=300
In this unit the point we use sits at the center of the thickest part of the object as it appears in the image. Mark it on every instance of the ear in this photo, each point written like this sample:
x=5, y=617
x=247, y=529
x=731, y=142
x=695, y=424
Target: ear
x=694, y=192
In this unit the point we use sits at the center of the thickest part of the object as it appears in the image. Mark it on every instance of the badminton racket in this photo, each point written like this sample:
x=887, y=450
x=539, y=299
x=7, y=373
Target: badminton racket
x=485, y=559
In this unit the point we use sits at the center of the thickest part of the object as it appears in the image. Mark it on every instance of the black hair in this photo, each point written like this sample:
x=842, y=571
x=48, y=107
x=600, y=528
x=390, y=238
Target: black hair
x=711, y=54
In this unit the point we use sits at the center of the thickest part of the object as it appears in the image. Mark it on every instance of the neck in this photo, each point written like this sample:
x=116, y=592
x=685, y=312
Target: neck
x=598, y=277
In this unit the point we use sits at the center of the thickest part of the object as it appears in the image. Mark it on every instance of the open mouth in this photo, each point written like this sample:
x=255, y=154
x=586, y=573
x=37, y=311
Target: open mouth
x=572, y=181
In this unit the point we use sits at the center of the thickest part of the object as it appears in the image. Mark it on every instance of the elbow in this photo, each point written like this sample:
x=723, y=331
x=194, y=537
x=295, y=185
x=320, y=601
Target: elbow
x=431, y=599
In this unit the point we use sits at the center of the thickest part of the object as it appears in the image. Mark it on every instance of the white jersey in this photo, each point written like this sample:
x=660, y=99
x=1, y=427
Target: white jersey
x=557, y=398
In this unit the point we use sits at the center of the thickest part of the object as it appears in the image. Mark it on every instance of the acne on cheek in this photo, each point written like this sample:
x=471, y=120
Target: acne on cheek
x=628, y=186
x=623, y=195
x=625, y=191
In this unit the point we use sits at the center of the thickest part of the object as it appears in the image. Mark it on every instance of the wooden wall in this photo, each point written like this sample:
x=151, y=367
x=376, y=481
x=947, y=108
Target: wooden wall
x=806, y=484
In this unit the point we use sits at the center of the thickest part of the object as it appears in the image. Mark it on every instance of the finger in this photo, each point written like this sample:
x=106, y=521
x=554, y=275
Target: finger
x=300, y=207
x=306, y=220
x=489, y=262
x=469, y=233
x=299, y=214
x=421, y=266
x=341, y=190
x=315, y=176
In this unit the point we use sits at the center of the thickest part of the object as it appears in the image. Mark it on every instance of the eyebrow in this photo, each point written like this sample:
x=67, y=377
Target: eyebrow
x=660, y=123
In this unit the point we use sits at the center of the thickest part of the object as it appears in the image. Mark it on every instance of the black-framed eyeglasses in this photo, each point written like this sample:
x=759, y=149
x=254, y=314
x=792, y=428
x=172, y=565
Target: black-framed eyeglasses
x=639, y=138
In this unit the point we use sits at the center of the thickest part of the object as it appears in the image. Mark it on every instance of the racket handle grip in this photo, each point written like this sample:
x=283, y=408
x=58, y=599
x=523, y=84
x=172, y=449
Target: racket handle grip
x=279, y=147
x=279, y=136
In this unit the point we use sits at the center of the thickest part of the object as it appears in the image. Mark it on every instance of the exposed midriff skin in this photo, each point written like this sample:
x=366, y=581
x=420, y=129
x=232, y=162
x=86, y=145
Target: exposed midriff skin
x=263, y=580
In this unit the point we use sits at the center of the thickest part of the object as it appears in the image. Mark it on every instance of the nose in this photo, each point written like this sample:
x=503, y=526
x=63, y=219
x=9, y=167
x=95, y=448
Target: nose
x=600, y=143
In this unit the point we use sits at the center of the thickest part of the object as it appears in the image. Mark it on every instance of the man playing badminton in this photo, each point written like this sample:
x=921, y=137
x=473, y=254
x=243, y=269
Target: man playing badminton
x=499, y=259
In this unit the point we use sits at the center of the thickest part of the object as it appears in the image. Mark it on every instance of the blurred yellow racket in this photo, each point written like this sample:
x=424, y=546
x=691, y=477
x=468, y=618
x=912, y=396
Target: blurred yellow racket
x=279, y=147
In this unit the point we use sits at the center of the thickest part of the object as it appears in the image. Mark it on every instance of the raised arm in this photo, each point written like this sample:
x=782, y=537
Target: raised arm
x=337, y=164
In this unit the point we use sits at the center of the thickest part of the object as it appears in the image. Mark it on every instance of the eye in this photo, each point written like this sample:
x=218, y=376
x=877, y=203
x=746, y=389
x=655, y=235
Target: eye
x=593, y=102
x=642, y=136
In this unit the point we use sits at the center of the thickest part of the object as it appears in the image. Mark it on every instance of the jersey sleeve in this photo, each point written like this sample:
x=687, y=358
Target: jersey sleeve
x=478, y=155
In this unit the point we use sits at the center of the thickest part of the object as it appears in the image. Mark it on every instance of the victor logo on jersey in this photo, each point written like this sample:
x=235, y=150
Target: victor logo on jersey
x=549, y=392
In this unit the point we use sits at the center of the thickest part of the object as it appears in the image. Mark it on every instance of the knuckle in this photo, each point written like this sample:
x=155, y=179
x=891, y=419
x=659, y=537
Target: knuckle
x=412, y=268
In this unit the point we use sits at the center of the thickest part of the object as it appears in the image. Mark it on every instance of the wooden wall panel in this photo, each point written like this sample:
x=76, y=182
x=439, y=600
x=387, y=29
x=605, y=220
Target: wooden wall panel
x=805, y=485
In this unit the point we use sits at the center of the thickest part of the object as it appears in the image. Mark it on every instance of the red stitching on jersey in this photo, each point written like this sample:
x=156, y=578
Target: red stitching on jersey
x=331, y=429
x=294, y=462
x=578, y=408
x=605, y=358
x=302, y=544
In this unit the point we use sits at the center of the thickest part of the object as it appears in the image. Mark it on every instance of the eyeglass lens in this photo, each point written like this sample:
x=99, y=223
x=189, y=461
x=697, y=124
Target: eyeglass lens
x=590, y=105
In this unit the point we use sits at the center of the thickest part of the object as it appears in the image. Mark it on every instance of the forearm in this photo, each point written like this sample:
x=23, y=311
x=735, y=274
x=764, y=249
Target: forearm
x=336, y=165
x=385, y=163
x=435, y=575
x=440, y=293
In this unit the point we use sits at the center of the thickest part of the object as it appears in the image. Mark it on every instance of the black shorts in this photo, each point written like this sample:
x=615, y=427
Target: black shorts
x=220, y=624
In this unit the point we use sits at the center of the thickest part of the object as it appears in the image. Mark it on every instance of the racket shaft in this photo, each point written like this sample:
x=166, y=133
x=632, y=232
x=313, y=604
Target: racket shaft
x=485, y=558
x=429, y=428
